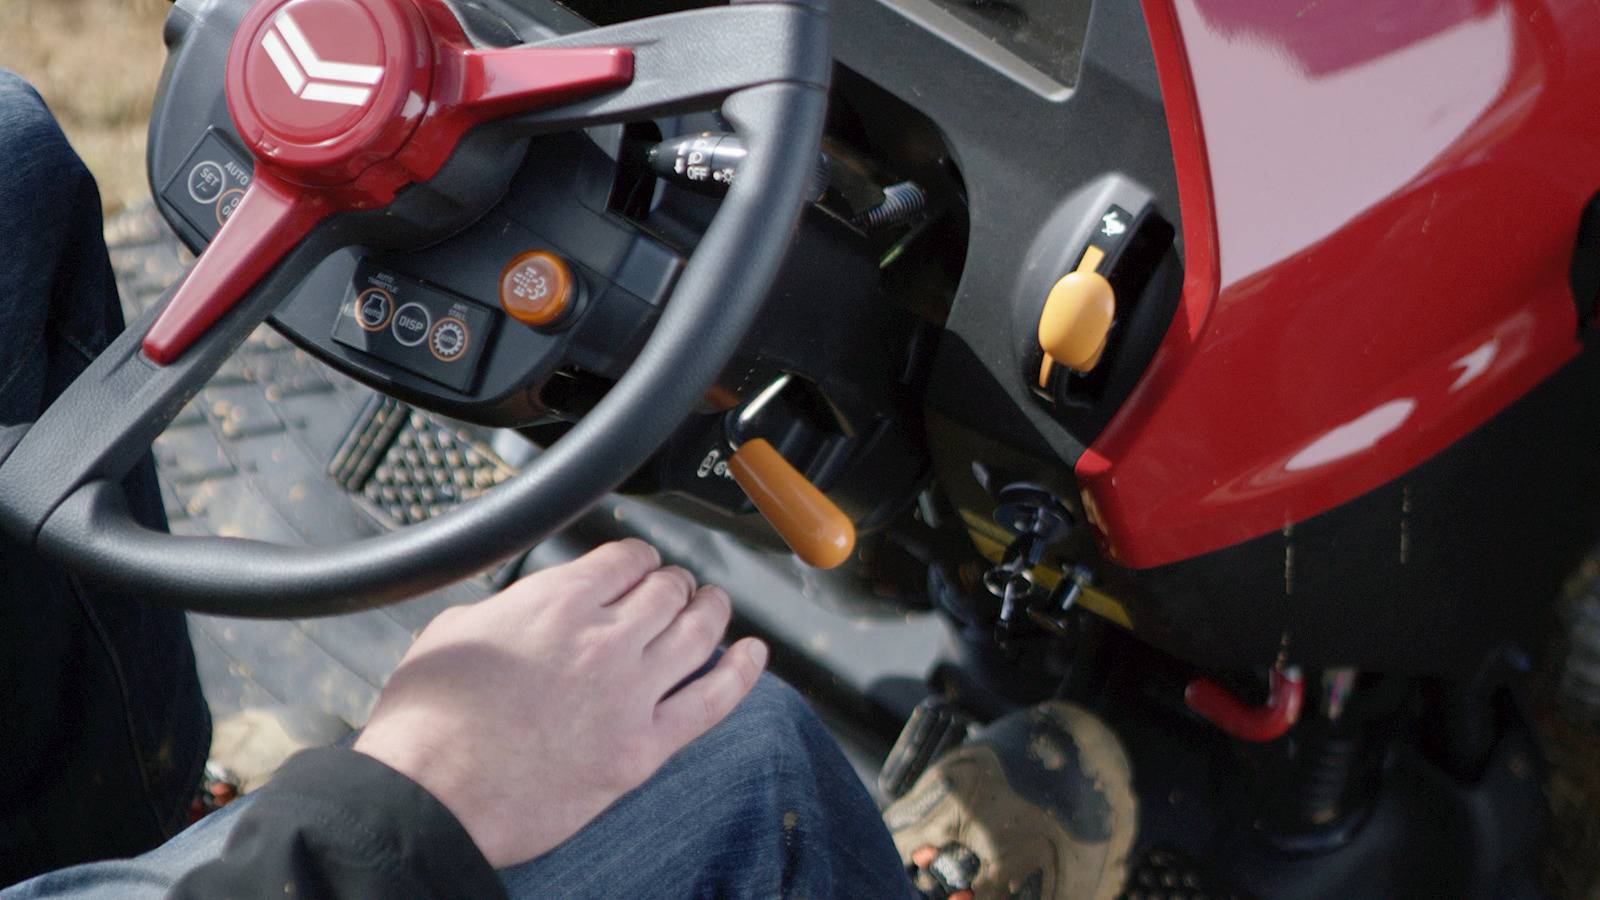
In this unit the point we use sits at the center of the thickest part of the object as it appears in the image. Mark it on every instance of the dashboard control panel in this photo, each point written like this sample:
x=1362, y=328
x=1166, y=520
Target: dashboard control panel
x=209, y=185
x=415, y=326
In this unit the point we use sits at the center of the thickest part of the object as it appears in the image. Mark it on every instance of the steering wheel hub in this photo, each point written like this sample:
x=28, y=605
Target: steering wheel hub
x=345, y=102
x=328, y=87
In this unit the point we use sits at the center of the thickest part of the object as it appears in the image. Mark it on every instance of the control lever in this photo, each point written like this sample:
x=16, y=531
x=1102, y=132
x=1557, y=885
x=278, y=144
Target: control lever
x=708, y=162
x=813, y=526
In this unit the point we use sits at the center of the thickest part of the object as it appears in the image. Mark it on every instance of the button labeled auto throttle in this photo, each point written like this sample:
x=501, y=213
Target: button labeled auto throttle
x=536, y=288
x=374, y=309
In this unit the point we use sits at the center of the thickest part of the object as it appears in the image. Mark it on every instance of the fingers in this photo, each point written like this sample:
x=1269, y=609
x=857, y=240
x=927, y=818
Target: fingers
x=599, y=576
x=685, y=643
x=708, y=699
x=653, y=604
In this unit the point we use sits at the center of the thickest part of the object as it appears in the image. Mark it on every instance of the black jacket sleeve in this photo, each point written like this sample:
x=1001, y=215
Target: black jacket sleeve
x=336, y=823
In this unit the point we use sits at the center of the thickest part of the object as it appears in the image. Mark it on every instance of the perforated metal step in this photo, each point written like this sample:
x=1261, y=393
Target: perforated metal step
x=411, y=466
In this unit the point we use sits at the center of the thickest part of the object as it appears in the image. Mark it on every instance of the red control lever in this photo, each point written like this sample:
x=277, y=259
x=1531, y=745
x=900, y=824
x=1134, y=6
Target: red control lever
x=343, y=103
x=1257, y=724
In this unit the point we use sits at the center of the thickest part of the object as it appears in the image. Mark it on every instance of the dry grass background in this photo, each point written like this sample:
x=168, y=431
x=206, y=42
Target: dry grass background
x=96, y=62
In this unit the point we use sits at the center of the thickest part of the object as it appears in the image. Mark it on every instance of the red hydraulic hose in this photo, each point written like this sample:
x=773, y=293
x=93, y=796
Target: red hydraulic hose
x=1257, y=724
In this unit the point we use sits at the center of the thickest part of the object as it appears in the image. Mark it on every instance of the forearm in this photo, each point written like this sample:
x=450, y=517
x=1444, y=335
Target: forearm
x=336, y=823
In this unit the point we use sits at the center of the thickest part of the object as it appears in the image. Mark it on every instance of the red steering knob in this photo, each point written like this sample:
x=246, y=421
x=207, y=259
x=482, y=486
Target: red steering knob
x=342, y=103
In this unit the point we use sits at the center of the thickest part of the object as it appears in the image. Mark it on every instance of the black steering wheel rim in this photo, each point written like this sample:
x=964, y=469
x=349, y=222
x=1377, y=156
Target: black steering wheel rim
x=59, y=491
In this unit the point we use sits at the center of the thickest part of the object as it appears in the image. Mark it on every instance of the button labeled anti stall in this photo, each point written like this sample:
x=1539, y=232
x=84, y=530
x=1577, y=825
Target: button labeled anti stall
x=411, y=324
x=449, y=339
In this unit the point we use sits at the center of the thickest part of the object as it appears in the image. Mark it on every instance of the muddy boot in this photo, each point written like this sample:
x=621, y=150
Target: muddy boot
x=249, y=746
x=1039, y=805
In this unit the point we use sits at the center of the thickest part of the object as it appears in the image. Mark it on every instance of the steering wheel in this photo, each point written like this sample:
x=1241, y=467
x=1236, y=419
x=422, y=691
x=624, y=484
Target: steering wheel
x=360, y=151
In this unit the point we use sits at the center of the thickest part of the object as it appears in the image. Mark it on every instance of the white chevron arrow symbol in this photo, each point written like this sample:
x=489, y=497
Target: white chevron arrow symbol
x=310, y=76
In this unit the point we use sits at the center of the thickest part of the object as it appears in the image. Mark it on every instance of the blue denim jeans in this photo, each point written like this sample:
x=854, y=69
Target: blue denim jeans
x=103, y=730
x=764, y=805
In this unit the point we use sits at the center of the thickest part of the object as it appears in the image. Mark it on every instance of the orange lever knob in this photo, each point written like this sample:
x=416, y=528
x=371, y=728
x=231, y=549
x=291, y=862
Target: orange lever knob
x=1077, y=319
x=814, y=528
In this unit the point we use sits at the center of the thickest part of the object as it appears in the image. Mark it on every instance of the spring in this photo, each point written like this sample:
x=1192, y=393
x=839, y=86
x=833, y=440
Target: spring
x=902, y=204
x=1328, y=775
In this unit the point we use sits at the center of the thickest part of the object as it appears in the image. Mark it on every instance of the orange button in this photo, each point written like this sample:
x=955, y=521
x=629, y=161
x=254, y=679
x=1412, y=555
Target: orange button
x=536, y=288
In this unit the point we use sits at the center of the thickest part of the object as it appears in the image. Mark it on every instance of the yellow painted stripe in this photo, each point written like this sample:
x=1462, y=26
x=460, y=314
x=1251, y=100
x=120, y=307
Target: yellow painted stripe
x=993, y=548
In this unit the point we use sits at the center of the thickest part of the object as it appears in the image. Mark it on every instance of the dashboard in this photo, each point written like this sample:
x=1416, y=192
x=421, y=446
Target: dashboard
x=1025, y=133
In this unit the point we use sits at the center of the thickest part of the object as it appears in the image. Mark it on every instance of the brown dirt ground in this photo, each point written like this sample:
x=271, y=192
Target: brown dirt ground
x=97, y=61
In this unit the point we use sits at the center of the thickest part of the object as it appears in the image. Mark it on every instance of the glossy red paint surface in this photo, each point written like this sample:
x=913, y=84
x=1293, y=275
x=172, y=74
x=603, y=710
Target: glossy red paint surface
x=344, y=102
x=1379, y=212
x=323, y=89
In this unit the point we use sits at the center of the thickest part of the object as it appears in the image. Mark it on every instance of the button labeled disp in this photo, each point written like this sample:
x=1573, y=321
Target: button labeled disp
x=411, y=324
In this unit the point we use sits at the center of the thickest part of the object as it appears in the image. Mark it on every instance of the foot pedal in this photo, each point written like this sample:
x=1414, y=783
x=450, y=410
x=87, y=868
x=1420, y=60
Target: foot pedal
x=369, y=438
x=1166, y=872
x=934, y=727
x=410, y=466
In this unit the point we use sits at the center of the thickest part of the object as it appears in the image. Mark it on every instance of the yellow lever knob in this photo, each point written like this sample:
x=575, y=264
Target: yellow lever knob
x=815, y=528
x=1077, y=318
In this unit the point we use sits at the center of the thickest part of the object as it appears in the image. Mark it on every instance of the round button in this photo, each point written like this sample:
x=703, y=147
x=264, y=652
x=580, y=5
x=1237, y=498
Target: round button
x=411, y=324
x=227, y=203
x=374, y=308
x=536, y=288
x=449, y=339
x=206, y=182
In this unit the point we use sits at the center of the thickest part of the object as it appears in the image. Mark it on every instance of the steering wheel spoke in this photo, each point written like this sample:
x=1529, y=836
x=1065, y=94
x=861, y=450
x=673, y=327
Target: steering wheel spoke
x=105, y=421
x=693, y=61
x=270, y=221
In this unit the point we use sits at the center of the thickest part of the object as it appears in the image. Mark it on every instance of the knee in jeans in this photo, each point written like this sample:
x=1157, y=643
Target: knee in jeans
x=30, y=139
x=773, y=722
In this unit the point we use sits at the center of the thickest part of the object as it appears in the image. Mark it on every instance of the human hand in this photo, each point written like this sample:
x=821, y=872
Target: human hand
x=528, y=714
